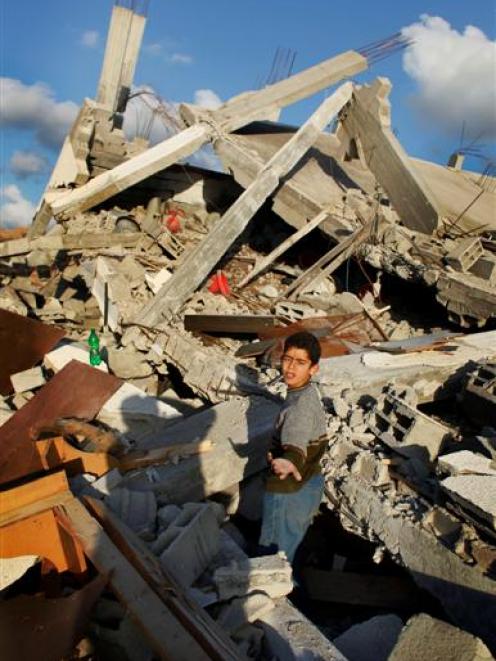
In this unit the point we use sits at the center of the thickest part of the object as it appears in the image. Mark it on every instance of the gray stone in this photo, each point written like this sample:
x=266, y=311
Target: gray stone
x=424, y=637
x=271, y=574
x=373, y=639
x=244, y=609
x=127, y=363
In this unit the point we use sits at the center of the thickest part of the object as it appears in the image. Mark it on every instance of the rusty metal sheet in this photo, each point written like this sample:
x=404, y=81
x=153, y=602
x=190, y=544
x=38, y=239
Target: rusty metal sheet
x=34, y=627
x=23, y=343
x=77, y=391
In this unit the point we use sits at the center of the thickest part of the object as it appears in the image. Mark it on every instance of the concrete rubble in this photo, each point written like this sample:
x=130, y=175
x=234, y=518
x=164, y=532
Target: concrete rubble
x=192, y=279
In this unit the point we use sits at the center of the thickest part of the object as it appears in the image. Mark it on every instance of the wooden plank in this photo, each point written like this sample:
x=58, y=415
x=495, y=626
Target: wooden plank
x=344, y=587
x=164, y=633
x=225, y=323
x=328, y=262
x=368, y=118
x=202, y=259
x=213, y=639
x=16, y=501
x=264, y=263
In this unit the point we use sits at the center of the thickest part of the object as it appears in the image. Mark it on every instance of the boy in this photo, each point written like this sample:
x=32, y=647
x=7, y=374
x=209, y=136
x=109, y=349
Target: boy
x=295, y=487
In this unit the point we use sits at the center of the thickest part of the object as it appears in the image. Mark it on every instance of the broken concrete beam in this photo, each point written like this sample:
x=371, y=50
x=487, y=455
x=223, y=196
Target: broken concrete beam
x=27, y=380
x=189, y=543
x=372, y=639
x=244, y=609
x=367, y=118
x=121, y=54
x=53, y=243
x=406, y=430
x=425, y=637
x=270, y=574
x=470, y=299
x=190, y=274
x=234, y=114
x=465, y=254
x=468, y=597
x=138, y=510
x=240, y=431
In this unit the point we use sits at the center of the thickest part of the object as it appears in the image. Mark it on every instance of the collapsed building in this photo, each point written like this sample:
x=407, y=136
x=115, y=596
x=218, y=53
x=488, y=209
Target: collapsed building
x=131, y=475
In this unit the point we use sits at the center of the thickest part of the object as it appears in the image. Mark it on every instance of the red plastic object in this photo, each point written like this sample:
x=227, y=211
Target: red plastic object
x=219, y=284
x=172, y=220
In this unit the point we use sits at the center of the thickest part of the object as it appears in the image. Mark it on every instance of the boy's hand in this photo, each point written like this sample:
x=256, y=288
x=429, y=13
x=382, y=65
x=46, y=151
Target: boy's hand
x=283, y=468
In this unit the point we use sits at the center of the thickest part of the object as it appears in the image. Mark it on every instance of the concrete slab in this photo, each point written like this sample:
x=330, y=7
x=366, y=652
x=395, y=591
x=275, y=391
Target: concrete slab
x=62, y=355
x=458, y=463
x=477, y=493
x=427, y=638
x=28, y=379
x=373, y=639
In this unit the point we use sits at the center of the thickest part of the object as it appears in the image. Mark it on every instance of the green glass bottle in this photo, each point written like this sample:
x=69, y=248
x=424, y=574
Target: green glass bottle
x=94, y=345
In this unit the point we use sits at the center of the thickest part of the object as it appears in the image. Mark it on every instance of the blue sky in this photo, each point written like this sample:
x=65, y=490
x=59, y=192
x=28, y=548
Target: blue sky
x=52, y=53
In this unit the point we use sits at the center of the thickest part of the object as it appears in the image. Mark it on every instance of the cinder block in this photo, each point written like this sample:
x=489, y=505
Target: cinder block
x=465, y=254
x=190, y=542
x=271, y=574
x=138, y=509
x=479, y=397
x=406, y=430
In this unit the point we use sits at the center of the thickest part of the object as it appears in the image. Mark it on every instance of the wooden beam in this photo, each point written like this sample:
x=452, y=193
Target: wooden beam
x=368, y=118
x=344, y=587
x=202, y=259
x=213, y=639
x=225, y=323
x=265, y=262
x=165, y=635
x=328, y=262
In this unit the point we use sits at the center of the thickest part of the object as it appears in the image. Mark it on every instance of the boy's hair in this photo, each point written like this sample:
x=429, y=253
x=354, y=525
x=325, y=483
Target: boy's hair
x=307, y=341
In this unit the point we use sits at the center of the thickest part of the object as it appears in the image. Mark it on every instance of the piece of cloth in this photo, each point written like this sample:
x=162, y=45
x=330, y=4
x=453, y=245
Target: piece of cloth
x=300, y=436
x=287, y=516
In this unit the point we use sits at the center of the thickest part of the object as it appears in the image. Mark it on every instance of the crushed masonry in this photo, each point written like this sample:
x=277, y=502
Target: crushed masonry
x=151, y=464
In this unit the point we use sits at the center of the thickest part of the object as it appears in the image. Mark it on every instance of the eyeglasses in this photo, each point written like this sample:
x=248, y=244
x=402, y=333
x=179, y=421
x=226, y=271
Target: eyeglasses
x=287, y=360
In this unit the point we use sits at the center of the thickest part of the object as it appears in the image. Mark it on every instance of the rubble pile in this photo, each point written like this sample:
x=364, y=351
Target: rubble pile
x=143, y=316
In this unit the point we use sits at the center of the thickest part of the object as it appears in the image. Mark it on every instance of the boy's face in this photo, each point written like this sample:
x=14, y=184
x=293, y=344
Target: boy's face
x=297, y=368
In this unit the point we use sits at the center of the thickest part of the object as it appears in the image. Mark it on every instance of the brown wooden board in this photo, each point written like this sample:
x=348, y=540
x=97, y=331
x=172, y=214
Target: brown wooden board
x=228, y=324
x=77, y=391
x=34, y=627
x=23, y=343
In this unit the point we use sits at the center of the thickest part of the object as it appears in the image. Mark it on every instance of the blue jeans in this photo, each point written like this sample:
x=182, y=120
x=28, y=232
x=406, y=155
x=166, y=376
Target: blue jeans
x=287, y=516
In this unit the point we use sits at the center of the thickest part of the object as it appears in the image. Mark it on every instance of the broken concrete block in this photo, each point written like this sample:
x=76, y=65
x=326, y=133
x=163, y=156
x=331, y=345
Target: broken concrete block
x=465, y=254
x=157, y=279
x=443, y=525
x=137, y=509
x=372, y=639
x=407, y=430
x=20, y=399
x=127, y=363
x=104, y=485
x=190, y=543
x=476, y=493
x=132, y=271
x=365, y=467
x=479, y=397
x=167, y=514
x=244, y=609
x=28, y=379
x=424, y=637
x=134, y=413
x=271, y=574
x=458, y=463
x=58, y=358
